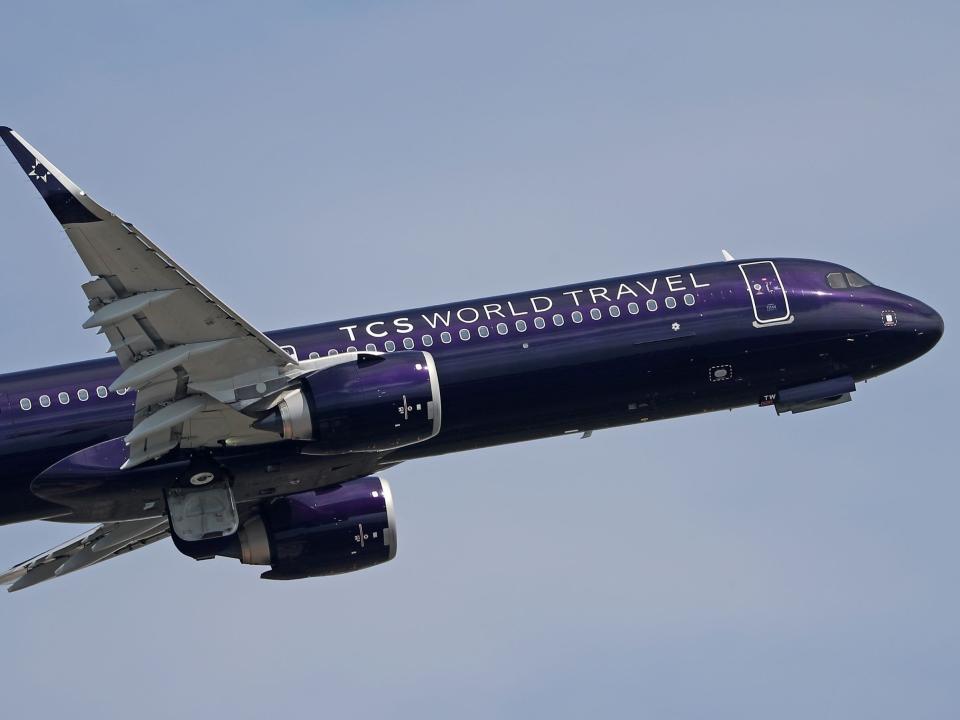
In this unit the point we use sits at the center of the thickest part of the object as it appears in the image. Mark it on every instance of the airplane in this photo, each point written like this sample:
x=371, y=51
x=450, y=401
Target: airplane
x=269, y=447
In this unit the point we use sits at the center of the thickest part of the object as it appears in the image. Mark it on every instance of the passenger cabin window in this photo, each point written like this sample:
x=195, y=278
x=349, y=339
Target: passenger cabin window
x=652, y=305
x=595, y=313
x=314, y=356
x=44, y=401
x=464, y=334
x=689, y=299
x=83, y=395
x=670, y=302
x=64, y=398
x=332, y=351
x=521, y=325
x=539, y=323
x=101, y=391
x=25, y=404
x=445, y=337
x=483, y=331
x=633, y=308
x=576, y=316
x=614, y=311
x=502, y=328
x=558, y=319
x=408, y=343
x=371, y=347
x=427, y=340
x=389, y=346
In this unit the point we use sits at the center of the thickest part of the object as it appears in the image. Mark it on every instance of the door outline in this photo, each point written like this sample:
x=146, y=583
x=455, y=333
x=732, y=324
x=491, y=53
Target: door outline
x=758, y=322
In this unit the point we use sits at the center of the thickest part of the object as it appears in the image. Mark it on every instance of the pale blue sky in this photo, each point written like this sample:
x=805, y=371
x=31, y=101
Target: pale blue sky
x=314, y=161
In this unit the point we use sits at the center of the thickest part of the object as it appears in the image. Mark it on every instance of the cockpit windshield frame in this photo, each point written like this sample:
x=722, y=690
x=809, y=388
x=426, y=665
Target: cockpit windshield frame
x=843, y=280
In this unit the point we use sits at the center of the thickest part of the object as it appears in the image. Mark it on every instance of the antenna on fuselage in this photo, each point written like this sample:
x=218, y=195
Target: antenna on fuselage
x=727, y=256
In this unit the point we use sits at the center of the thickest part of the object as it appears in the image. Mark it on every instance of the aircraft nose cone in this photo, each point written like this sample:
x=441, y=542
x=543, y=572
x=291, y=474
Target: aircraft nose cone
x=936, y=326
x=929, y=326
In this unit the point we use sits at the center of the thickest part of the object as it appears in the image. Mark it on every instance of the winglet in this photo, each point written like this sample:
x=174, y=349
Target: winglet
x=63, y=197
x=727, y=256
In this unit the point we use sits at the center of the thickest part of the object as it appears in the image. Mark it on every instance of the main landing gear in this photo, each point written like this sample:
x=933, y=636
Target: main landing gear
x=201, y=506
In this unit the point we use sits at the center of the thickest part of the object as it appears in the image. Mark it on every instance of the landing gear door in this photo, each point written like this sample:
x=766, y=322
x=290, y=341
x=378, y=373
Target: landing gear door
x=203, y=513
x=767, y=294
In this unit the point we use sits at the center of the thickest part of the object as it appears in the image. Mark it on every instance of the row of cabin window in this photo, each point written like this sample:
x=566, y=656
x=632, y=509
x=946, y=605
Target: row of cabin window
x=521, y=325
x=64, y=398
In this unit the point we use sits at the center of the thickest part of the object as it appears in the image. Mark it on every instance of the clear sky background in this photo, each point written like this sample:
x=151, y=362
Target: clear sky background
x=314, y=161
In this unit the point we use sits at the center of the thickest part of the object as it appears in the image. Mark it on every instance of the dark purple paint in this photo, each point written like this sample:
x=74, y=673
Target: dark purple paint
x=332, y=530
x=329, y=531
x=507, y=388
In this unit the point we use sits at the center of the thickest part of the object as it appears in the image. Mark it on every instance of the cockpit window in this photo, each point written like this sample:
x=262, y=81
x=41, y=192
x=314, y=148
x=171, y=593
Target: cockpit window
x=836, y=281
x=856, y=280
x=843, y=280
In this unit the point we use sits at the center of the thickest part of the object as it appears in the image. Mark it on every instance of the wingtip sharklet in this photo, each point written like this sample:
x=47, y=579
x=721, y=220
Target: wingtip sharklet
x=9, y=139
x=61, y=194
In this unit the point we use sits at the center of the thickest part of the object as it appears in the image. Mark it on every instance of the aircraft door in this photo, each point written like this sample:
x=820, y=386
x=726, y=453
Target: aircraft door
x=767, y=294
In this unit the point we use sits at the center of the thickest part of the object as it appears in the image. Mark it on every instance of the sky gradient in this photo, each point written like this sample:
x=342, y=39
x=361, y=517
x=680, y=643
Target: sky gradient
x=318, y=161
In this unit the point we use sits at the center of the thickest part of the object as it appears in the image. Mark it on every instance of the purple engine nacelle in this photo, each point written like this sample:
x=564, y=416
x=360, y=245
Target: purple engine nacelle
x=367, y=404
x=329, y=531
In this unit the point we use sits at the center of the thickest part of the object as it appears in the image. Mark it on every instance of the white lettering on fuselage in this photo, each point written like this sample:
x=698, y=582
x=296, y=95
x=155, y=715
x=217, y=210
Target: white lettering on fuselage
x=520, y=306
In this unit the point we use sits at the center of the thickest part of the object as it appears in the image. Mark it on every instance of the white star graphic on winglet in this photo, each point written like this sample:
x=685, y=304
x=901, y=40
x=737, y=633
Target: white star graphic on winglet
x=39, y=171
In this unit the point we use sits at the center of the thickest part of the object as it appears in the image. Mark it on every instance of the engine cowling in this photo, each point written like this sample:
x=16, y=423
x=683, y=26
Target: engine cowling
x=372, y=403
x=329, y=531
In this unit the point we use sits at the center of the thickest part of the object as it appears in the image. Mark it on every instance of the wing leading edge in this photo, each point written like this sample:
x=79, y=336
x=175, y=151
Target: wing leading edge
x=193, y=360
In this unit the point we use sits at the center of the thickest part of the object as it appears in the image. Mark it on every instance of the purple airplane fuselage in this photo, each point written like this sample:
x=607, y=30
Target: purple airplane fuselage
x=517, y=367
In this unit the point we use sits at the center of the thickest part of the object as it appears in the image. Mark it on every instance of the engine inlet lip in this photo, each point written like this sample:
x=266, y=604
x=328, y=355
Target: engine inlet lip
x=391, y=530
x=435, y=392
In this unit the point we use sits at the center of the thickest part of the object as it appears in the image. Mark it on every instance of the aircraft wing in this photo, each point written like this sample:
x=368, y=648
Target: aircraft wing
x=101, y=543
x=194, y=362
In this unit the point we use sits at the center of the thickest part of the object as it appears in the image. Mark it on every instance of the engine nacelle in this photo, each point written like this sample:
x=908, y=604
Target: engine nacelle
x=372, y=403
x=333, y=530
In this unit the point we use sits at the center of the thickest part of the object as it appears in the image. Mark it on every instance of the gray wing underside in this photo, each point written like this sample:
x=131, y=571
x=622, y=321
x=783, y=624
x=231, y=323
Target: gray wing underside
x=194, y=361
x=103, y=542
x=117, y=538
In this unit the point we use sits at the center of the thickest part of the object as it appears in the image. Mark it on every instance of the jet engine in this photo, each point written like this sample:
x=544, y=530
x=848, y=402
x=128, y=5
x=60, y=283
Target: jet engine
x=329, y=531
x=372, y=403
